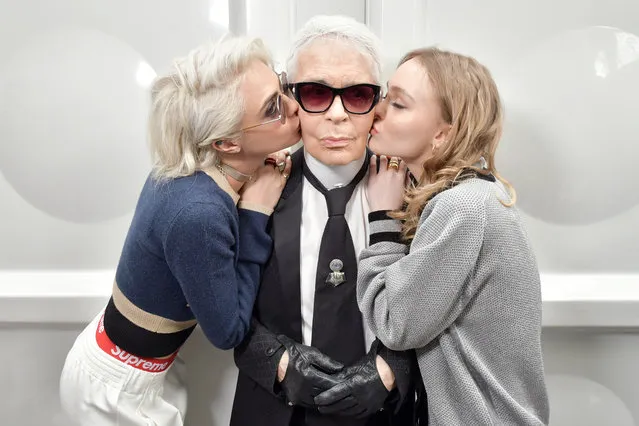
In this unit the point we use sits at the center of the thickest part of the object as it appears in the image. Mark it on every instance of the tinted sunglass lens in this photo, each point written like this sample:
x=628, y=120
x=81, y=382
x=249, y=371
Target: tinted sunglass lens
x=359, y=99
x=314, y=97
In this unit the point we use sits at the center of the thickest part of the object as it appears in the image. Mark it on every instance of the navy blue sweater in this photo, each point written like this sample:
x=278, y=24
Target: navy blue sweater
x=190, y=256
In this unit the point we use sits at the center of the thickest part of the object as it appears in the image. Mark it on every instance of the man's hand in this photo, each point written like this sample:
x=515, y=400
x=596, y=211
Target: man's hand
x=306, y=373
x=362, y=392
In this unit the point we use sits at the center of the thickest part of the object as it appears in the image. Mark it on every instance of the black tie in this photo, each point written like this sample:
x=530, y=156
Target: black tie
x=337, y=322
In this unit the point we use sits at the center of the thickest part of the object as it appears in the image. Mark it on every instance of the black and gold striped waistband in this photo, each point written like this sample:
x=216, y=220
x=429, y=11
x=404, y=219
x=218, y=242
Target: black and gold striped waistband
x=142, y=333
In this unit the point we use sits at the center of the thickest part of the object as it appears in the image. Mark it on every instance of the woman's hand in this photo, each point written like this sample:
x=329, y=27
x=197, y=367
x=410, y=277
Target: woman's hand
x=386, y=187
x=265, y=189
x=278, y=158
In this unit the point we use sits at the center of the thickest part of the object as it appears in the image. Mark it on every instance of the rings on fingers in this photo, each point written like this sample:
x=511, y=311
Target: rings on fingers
x=281, y=166
x=285, y=175
x=393, y=164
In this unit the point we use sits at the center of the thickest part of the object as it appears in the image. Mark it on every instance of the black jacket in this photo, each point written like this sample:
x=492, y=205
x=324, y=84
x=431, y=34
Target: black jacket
x=258, y=401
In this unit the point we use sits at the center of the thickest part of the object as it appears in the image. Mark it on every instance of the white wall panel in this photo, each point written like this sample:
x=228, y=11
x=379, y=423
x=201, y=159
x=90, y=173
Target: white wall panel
x=74, y=79
x=276, y=21
x=400, y=25
x=309, y=8
x=569, y=75
x=74, y=76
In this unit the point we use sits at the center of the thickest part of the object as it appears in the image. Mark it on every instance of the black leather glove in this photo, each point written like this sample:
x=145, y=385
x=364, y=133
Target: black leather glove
x=308, y=373
x=360, y=394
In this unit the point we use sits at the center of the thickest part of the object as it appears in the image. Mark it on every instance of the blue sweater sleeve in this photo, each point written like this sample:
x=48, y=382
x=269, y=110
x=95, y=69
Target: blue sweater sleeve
x=200, y=249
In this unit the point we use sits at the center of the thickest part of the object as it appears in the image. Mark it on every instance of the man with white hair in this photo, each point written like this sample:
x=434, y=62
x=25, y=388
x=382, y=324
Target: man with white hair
x=309, y=359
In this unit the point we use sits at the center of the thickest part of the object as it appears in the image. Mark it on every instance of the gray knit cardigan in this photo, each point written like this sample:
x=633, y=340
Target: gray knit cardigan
x=466, y=295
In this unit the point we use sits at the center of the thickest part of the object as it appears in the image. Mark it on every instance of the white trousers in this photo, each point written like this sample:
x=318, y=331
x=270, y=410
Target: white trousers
x=99, y=389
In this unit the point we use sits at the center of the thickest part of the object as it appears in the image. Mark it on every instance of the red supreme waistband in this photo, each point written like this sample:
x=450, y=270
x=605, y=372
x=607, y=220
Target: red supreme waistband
x=151, y=365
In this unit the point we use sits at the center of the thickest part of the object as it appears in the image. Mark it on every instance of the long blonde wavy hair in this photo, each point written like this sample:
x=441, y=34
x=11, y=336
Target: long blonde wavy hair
x=470, y=104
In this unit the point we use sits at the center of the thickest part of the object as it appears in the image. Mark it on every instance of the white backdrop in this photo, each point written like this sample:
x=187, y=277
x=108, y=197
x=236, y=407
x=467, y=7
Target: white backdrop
x=73, y=101
x=74, y=76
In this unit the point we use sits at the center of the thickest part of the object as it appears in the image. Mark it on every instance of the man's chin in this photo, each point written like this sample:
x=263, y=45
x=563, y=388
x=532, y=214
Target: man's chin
x=340, y=157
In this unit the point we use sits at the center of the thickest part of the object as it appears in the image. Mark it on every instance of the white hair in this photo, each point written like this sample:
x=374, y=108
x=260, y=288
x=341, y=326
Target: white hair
x=336, y=27
x=198, y=102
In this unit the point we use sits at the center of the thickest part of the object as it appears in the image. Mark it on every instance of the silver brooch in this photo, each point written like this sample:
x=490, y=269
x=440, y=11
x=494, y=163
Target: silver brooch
x=336, y=277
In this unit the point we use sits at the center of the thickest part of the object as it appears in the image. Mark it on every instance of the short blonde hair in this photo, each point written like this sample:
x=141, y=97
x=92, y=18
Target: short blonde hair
x=336, y=27
x=198, y=102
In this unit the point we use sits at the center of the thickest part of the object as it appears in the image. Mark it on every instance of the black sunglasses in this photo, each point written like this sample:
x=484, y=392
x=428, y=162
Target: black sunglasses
x=317, y=97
